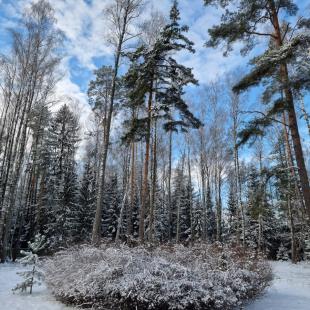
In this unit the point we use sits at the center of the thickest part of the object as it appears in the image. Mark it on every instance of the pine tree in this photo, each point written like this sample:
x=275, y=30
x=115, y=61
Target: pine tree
x=154, y=73
x=244, y=22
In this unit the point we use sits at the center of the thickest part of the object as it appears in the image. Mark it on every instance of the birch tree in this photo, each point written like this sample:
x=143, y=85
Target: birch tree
x=121, y=14
x=28, y=78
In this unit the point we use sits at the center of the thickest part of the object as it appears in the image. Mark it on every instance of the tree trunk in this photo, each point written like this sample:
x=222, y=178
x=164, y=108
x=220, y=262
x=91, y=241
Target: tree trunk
x=121, y=215
x=292, y=120
x=169, y=187
x=203, y=190
x=145, y=189
x=190, y=197
x=132, y=191
x=96, y=234
x=154, y=179
x=219, y=206
x=292, y=230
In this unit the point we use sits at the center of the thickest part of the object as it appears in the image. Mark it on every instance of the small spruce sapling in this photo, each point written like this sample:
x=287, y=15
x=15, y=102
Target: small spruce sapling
x=282, y=253
x=307, y=249
x=32, y=276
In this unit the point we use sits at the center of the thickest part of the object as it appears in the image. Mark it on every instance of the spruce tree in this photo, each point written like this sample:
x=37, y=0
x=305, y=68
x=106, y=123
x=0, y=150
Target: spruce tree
x=287, y=201
x=62, y=189
x=87, y=196
x=33, y=276
x=112, y=201
x=232, y=210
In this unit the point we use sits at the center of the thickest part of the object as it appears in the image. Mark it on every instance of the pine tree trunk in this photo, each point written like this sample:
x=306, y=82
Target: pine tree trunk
x=145, y=187
x=290, y=162
x=292, y=120
x=290, y=165
x=238, y=181
x=154, y=179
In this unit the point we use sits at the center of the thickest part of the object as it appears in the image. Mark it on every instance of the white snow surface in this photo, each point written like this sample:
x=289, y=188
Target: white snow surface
x=40, y=299
x=290, y=289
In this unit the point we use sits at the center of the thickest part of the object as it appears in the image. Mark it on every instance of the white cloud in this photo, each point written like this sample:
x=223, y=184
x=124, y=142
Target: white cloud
x=84, y=26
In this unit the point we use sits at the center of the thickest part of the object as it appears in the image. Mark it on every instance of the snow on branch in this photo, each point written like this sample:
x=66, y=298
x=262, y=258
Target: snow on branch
x=265, y=64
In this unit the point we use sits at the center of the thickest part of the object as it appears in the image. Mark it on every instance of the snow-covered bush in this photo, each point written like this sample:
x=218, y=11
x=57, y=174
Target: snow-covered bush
x=32, y=276
x=200, y=277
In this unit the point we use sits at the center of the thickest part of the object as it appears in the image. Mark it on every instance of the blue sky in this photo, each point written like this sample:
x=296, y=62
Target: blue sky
x=86, y=48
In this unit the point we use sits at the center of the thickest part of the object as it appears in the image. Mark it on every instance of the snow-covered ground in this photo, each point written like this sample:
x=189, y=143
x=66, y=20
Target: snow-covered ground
x=290, y=289
x=40, y=299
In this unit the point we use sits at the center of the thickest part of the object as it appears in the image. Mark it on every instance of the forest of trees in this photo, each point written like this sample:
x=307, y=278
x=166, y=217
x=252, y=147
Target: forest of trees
x=164, y=161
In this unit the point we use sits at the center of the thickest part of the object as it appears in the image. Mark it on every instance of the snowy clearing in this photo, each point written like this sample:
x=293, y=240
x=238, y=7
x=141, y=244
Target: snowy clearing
x=40, y=299
x=290, y=289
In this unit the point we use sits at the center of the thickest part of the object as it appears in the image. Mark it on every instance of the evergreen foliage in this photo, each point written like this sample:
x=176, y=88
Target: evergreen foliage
x=63, y=211
x=153, y=70
x=33, y=276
